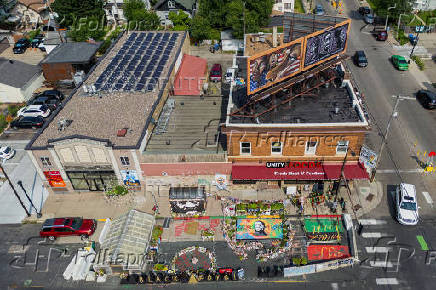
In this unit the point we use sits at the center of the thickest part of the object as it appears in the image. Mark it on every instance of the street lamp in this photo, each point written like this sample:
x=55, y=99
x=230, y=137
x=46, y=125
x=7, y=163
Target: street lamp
x=387, y=15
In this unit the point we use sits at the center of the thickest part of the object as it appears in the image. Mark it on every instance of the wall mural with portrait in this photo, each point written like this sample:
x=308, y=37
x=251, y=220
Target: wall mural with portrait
x=325, y=44
x=273, y=66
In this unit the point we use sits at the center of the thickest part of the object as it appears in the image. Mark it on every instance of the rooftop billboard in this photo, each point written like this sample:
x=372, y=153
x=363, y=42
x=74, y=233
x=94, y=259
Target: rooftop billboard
x=277, y=64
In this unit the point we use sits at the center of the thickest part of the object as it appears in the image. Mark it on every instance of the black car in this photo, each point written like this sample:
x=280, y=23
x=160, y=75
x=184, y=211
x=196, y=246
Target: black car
x=52, y=93
x=27, y=122
x=426, y=98
x=37, y=40
x=50, y=101
x=21, y=46
x=364, y=10
x=360, y=58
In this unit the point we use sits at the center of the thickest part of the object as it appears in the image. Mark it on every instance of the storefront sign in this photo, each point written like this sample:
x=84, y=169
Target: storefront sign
x=54, y=178
x=130, y=177
x=276, y=164
x=297, y=164
x=327, y=252
x=258, y=229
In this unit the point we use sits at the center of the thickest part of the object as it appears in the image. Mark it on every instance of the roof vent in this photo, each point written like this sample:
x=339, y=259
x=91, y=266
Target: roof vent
x=62, y=124
x=122, y=132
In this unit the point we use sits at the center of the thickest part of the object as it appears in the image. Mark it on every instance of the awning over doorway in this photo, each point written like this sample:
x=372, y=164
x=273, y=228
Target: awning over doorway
x=324, y=172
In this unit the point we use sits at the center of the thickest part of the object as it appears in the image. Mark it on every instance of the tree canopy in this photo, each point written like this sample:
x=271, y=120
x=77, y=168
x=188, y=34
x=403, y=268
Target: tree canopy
x=402, y=6
x=70, y=11
x=86, y=28
x=180, y=19
x=138, y=17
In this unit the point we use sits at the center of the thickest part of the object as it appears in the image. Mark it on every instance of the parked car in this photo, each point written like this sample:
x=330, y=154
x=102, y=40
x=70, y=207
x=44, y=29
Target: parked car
x=406, y=204
x=38, y=42
x=400, y=62
x=21, y=45
x=360, y=58
x=230, y=75
x=69, y=226
x=6, y=152
x=319, y=10
x=34, y=111
x=216, y=73
x=368, y=18
x=364, y=10
x=382, y=35
x=27, y=122
x=52, y=93
x=426, y=98
x=50, y=101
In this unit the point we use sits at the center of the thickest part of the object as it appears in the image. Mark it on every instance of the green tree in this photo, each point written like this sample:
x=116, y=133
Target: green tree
x=180, y=19
x=130, y=6
x=86, y=28
x=200, y=28
x=235, y=18
x=402, y=6
x=139, y=18
x=214, y=11
x=70, y=11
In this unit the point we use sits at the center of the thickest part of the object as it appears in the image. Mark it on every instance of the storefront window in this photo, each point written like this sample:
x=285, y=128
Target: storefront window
x=342, y=147
x=245, y=148
x=92, y=180
x=276, y=148
x=311, y=147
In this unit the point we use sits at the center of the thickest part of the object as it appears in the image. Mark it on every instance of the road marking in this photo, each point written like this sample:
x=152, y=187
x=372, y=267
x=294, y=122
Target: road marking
x=422, y=242
x=371, y=222
x=427, y=197
x=405, y=98
x=381, y=264
x=335, y=286
x=372, y=235
x=418, y=170
x=386, y=281
x=373, y=250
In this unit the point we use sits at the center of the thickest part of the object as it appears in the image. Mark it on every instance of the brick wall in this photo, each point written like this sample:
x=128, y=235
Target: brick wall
x=54, y=72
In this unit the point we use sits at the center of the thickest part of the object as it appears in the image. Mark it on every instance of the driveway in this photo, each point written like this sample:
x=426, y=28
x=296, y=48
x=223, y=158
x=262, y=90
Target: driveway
x=31, y=56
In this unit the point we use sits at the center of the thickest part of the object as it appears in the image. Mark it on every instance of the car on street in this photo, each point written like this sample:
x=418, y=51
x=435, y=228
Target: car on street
x=6, y=152
x=34, y=111
x=360, y=59
x=230, y=75
x=52, y=93
x=368, y=18
x=426, y=98
x=382, y=35
x=406, y=204
x=363, y=10
x=21, y=45
x=27, y=122
x=216, y=73
x=68, y=226
x=319, y=10
x=50, y=101
x=400, y=62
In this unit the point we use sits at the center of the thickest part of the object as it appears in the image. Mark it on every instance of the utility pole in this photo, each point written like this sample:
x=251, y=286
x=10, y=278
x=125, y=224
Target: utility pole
x=385, y=136
x=13, y=189
x=387, y=15
x=417, y=39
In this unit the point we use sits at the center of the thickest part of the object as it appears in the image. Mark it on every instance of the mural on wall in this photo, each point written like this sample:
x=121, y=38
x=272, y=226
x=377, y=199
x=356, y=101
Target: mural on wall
x=130, y=177
x=259, y=228
x=54, y=178
x=271, y=67
x=326, y=44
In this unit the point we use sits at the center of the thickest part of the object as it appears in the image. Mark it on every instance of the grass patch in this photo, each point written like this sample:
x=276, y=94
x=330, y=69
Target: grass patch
x=418, y=62
x=402, y=38
x=298, y=6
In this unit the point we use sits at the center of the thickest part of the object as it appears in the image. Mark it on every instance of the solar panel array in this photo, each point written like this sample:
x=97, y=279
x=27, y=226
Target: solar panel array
x=139, y=63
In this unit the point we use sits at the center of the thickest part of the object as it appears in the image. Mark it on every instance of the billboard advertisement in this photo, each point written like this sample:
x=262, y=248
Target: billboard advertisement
x=259, y=229
x=326, y=44
x=54, y=178
x=274, y=65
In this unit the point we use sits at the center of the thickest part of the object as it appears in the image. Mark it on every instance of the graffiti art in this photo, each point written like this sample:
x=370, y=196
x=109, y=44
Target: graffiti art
x=259, y=228
x=324, y=237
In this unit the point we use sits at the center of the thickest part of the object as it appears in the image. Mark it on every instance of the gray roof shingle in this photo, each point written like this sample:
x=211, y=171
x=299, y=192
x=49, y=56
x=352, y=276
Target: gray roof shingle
x=15, y=73
x=73, y=52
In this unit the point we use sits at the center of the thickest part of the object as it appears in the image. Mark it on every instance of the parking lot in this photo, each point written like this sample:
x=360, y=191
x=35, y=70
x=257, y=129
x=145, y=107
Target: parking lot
x=31, y=56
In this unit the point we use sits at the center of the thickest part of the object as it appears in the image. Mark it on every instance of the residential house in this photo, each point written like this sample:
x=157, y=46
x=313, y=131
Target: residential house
x=424, y=4
x=32, y=12
x=114, y=10
x=68, y=58
x=164, y=7
x=18, y=80
x=6, y=9
x=282, y=6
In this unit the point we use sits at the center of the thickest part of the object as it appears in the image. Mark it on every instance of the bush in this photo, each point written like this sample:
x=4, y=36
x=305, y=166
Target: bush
x=117, y=190
x=13, y=109
x=402, y=38
x=418, y=62
x=3, y=122
x=33, y=33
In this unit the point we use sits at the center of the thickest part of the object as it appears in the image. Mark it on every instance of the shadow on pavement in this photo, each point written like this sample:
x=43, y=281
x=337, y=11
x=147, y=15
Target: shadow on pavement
x=390, y=196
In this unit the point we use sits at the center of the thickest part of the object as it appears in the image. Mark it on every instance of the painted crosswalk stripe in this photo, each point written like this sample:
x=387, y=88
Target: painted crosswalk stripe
x=335, y=286
x=387, y=281
x=372, y=250
x=427, y=197
x=371, y=222
x=422, y=242
x=381, y=264
x=373, y=235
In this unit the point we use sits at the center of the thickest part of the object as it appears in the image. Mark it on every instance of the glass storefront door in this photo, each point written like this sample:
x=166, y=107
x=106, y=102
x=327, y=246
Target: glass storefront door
x=91, y=180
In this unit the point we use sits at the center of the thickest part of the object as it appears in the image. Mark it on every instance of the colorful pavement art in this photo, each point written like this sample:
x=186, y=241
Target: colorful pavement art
x=259, y=228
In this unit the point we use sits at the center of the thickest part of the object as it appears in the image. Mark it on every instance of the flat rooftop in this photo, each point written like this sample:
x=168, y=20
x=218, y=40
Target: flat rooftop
x=99, y=116
x=318, y=108
x=192, y=127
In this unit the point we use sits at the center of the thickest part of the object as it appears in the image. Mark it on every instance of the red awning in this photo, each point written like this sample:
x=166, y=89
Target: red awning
x=325, y=172
x=189, y=79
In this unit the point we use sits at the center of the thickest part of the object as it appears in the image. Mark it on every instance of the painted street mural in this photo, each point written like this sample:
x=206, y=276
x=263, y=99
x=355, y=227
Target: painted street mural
x=259, y=228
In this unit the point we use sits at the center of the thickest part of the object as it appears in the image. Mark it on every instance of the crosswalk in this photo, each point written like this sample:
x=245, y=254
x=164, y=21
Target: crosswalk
x=378, y=254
